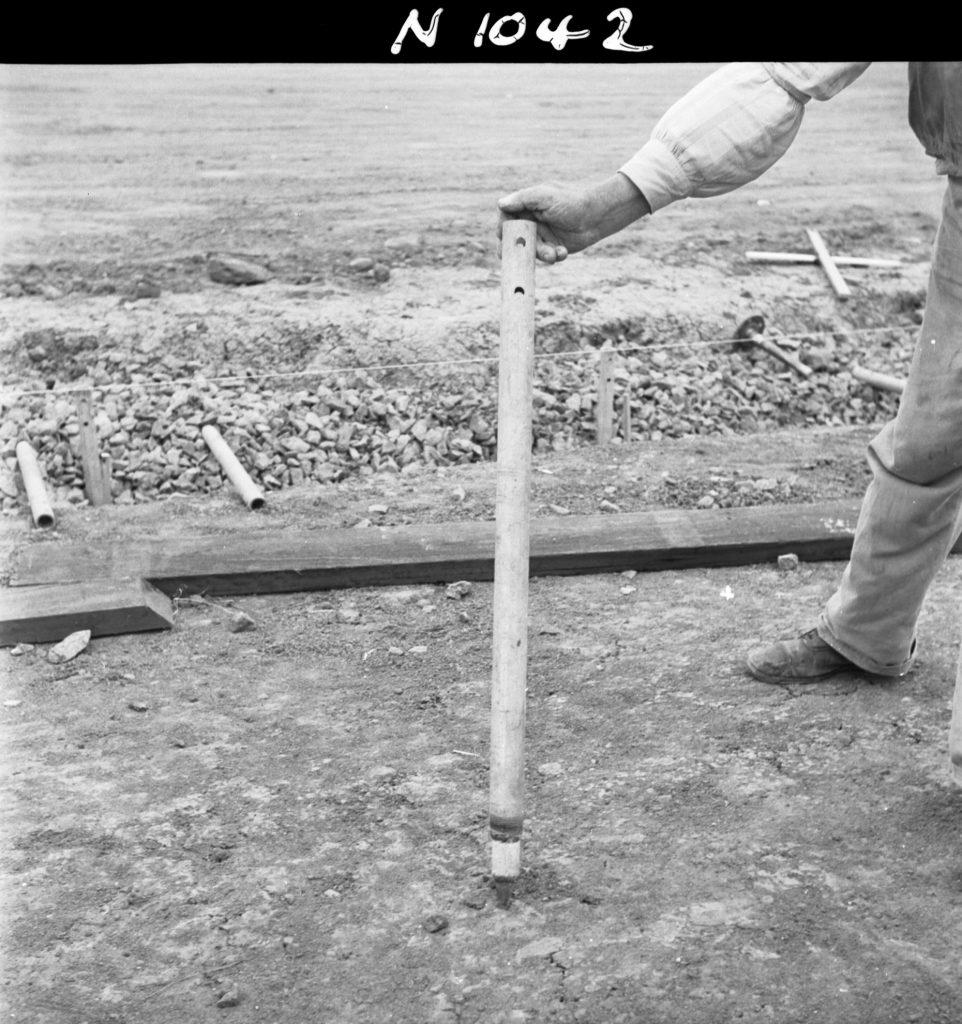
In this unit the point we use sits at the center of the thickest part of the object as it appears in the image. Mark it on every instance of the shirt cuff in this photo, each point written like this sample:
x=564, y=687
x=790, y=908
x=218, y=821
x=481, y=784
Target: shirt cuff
x=656, y=173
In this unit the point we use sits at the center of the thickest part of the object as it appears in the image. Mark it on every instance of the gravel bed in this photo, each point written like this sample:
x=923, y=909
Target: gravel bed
x=328, y=428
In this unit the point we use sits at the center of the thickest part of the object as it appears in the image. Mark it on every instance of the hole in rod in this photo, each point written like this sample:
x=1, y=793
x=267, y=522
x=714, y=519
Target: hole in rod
x=520, y=241
x=519, y=290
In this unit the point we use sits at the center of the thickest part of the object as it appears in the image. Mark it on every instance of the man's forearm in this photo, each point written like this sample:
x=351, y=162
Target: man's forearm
x=613, y=204
x=730, y=128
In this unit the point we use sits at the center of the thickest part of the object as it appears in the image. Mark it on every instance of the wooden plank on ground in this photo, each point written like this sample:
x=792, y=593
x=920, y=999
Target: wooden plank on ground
x=49, y=612
x=261, y=561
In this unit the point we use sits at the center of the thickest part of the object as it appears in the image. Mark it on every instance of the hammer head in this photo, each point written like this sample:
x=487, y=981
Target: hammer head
x=747, y=329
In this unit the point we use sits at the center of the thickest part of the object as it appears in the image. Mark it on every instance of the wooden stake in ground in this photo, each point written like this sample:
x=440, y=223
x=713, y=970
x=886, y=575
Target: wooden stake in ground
x=626, y=413
x=605, y=408
x=96, y=472
x=511, y=550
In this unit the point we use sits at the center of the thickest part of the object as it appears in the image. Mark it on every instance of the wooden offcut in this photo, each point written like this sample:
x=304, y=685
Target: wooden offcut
x=882, y=381
x=824, y=257
x=49, y=612
x=262, y=562
x=807, y=257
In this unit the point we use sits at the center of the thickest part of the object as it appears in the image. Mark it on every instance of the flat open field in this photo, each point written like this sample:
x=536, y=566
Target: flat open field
x=290, y=823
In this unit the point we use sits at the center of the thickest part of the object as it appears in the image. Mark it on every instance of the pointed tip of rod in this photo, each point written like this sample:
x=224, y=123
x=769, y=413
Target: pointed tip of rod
x=502, y=890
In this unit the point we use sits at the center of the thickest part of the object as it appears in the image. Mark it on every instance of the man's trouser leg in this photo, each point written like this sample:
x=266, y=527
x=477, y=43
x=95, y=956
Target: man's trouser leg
x=955, y=729
x=912, y=512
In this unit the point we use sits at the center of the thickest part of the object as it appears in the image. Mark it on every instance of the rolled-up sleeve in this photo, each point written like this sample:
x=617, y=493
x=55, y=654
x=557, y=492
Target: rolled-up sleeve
x=731, y=127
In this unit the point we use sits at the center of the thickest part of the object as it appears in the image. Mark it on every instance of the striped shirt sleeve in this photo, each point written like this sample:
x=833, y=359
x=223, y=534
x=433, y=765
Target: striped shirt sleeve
x=731, y=127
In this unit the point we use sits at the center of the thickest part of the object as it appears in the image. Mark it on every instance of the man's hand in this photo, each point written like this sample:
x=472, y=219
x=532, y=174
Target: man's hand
x=561, y=214
x=569, y=219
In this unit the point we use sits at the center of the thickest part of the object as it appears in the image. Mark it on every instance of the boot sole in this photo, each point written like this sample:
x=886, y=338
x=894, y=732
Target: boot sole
x=768, y=677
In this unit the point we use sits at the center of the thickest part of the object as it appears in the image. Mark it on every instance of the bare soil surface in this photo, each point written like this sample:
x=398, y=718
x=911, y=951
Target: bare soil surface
x=290, y=823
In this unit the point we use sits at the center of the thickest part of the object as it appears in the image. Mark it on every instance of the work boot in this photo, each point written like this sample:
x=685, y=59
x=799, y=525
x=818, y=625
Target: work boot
x=806, y=659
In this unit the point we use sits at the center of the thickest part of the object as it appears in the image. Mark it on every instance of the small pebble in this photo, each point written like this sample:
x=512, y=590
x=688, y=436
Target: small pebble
x=231, y=997
x=231, y=270
x=241, y=622
x=435, y=923
x=788, y=563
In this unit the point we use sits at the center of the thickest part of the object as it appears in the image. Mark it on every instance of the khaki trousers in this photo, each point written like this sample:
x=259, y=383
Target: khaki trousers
x=911, y=515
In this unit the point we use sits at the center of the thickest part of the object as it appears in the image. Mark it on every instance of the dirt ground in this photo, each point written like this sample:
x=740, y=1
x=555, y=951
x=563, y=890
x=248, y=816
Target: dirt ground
x=290, y=823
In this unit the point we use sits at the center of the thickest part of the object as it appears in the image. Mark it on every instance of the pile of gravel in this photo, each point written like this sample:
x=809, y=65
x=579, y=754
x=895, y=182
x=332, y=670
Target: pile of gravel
x=330, y=427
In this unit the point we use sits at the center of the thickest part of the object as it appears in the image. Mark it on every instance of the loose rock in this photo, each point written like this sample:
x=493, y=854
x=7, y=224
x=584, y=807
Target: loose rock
x=404, y=243
x=232, y=270
x=146, y=289
x=241, y=622
x=69, y=647
x=230, y=997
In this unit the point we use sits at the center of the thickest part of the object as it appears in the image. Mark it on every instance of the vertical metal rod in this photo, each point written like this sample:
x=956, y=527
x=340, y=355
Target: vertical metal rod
x=511, y=567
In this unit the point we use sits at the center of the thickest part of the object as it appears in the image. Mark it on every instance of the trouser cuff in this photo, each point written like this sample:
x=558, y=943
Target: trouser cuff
x=864, y=661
